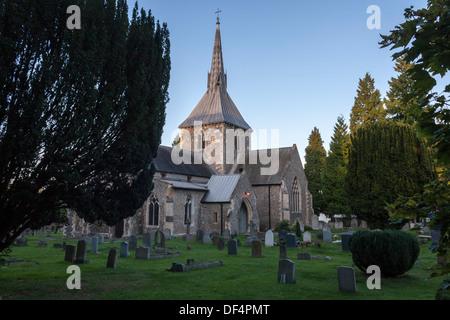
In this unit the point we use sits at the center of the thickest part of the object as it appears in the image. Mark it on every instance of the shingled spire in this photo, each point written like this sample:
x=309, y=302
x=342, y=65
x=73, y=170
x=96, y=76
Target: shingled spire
x=217, y=77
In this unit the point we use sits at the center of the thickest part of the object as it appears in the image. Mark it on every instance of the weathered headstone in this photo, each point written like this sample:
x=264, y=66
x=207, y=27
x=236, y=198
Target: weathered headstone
x=70, y=253
x=327, y=236
x=283, y=253
x=339, y=225
x=232, y=246
x=282, y=235
x=167, y=234
x=81, y=252
x=253, y=228
x=199, y=235
x=227, y=234
x=315, y=222
x=354, y=223
x=215, y=239
x=124, y=249
x=101, y=239
x=143, y=253
x=307, y=236
x=94, y=245
x=345, y=240
x=22, y=241
x=112, y=258
x=268, y=240
x=133, y=242
x=286, y=271
x=346, y=279
x=304, y=256
x=206, y=239
x=160, y=242
x=221, y=243
x=290, y=241
x=256, y=249
x=147, y=240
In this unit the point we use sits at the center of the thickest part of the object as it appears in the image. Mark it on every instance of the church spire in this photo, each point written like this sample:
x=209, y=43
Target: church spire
x=217, y=77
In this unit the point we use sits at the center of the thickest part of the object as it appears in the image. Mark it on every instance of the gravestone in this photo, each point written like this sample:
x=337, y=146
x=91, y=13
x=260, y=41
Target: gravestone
x=326, y=227
x=124, y=249
x=227, y=235
x=147, y=240
x=253, y=228
x=133, y=243
x=315, y=222
x=101, y=239
x=307, y=236
x=286, y=271
x=304, y=256
x=81, y=252
x=339, y=225
x=215, y=239
x=22, y=241
x=167, y=234
x=283, y=253
x=268, y=240
x=290, y=241
x=232, y=246
x=354, y=223
x=363, y=224
x=346, y=279
x=94, y=245
x=70, y=253
x=345, y=240
x=112, y=258
x=302, y=226
x=206, y=239
x=143, y=253
x=199, y=235
x=256, y=249
x=221, y=244
x=282, y=235
x=326, y=236
x=160, y=242
x=435, y=236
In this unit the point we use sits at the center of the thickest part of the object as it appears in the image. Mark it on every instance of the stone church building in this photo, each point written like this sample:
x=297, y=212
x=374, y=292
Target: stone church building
x=214, y=181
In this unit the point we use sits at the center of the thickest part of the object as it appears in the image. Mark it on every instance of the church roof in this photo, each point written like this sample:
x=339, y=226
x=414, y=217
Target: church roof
x=185, y=184
x=216, y=105
x=221, y=188
x=163, y=163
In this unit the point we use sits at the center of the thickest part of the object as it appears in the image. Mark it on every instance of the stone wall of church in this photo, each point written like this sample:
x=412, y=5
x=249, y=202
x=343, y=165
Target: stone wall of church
x=268, y=218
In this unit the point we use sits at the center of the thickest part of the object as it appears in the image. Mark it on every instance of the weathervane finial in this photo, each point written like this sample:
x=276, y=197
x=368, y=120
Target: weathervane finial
x=218, y=12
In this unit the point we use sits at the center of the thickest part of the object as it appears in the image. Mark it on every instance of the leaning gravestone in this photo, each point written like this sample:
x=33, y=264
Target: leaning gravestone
x=256, y=249
x=94, y=245
x=268, y=240
x=112, y=258
x=124, y=250
x=81, y=252
x=70, y=253
x=286, y=271
x=143, y=253
x=232, y=246
x=326, y=236
x=307, y=236
x=147, y=240
x=346, y=279
x=290, y=241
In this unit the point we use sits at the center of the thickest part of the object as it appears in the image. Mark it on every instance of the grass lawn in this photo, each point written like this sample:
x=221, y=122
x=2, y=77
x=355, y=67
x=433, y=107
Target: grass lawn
x=43, y=275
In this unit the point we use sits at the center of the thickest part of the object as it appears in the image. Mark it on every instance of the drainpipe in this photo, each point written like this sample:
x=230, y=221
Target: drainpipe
x=221, y=218
x=270, y=222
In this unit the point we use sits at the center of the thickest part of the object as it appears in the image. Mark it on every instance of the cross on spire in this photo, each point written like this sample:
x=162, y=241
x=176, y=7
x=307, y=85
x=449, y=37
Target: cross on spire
x=218, y=12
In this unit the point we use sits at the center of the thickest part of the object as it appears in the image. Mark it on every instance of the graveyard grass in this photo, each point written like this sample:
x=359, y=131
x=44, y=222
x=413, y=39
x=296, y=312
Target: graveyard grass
x=42, y=275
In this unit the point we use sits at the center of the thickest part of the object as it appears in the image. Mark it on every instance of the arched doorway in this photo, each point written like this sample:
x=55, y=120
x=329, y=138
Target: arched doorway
x=243, y=218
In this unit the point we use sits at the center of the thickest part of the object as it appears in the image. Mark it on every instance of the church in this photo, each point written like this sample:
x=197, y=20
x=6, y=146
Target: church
x=213, y=181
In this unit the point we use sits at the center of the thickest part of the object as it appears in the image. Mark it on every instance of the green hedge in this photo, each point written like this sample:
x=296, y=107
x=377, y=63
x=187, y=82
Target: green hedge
x=394, y=251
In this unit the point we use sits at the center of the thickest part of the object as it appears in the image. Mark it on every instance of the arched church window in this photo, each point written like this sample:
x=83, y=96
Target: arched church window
x=153, y=211
x=295, y=197
x=188, y=209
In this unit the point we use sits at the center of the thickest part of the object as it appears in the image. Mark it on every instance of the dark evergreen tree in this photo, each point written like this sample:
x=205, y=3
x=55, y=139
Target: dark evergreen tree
x=81, y=111
x=333, y=182
x=368, y=106
x=315, y=155
x=386, y=160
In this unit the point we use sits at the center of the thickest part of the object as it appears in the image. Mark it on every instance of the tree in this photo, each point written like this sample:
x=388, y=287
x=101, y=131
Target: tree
x=368, y=106
x=398, y=99
x=315, y=155
x=81, y=111
x=386, y=160
x=333, y=182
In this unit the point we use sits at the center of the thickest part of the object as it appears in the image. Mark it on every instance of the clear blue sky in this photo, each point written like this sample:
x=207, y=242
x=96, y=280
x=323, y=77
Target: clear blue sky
x=292, y=65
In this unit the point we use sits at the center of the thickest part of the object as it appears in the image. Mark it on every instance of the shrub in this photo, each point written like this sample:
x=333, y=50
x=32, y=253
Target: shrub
x=283, y=225
x=394, y=251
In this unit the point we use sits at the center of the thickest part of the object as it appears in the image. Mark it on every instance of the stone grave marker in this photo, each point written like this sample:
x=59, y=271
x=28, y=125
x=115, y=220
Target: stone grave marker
x=435, y=235
x=124, y=249
x=199, y=235
x=268, y=240
x=256, y=249
x=112, y=258
x=326, y=236
x=346, y=279
x=81, y=252
x=132, y=243
x=315, y=222
x=307, y=236
x=304, y=256
x=143, y=253
x=232, y=246
x=94, y=245
x=101, y=239
x=227, y=235
x=290, y=240
x=221, y=244
x=282, y=235
x=354, y=223
x=286, y=271
x=147, y=240
x=206, y=239
x=283, y=253
x=70, y=253
x=160, y=242
x=345, y=240
x=215, y=239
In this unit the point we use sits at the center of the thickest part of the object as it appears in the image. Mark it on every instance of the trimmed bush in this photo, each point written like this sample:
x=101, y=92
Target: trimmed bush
x=394, y=251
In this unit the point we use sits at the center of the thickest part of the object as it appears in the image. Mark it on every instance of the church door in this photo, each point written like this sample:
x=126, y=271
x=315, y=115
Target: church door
x=242, y=219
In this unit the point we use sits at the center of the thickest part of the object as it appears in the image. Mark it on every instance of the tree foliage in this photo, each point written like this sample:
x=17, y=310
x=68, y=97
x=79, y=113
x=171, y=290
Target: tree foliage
x=315, y=155
x=333, y=181
x=81, y=111
x=386, y=160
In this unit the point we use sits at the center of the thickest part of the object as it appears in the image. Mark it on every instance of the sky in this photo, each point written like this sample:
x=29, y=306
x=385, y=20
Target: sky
x=291, y=65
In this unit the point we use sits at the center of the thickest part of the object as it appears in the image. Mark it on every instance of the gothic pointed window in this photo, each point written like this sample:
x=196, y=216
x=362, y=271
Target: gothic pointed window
x=188, y=210
x=153, y=211
x=295, y=197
